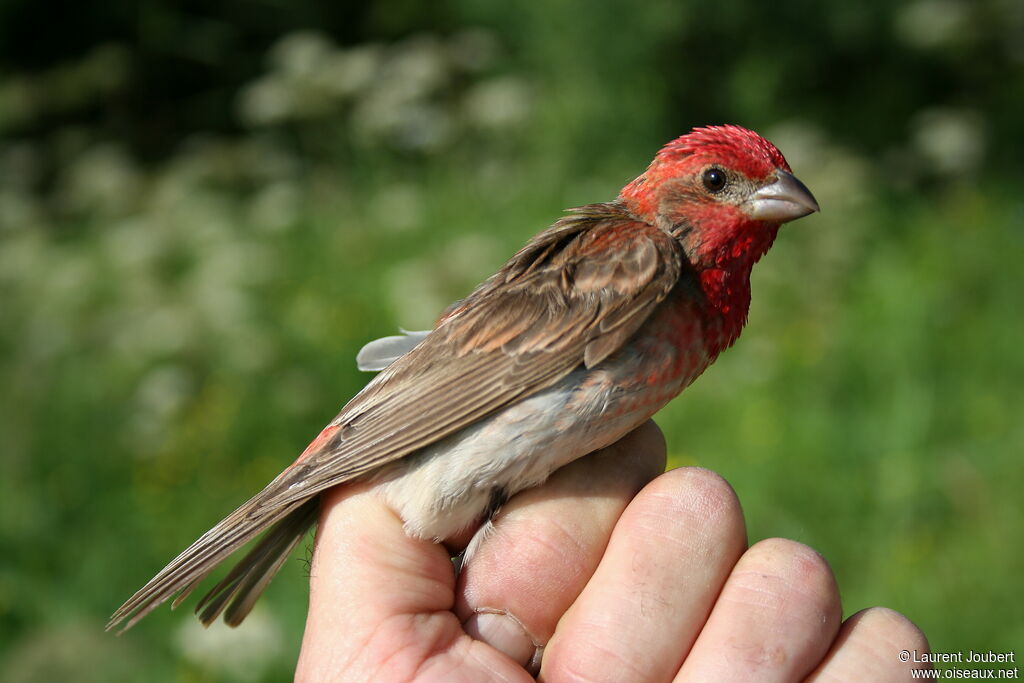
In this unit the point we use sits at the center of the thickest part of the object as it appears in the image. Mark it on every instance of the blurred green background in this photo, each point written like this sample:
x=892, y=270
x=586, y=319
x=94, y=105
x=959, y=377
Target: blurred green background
x=207, y=208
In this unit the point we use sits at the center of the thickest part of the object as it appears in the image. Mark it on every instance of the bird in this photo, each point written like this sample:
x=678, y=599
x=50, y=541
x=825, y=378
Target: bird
x=585, y=333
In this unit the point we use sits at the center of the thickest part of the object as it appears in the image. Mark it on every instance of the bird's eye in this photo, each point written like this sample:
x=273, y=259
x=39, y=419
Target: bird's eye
x=714, y=180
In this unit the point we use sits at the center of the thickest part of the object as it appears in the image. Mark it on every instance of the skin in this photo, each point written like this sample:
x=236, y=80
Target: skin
x=616, y=570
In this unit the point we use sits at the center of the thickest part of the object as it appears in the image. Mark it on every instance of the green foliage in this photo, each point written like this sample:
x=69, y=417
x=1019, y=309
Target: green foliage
x=203, y=217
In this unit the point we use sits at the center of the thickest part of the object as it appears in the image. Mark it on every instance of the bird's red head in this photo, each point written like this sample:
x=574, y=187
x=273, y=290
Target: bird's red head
x=722, y=191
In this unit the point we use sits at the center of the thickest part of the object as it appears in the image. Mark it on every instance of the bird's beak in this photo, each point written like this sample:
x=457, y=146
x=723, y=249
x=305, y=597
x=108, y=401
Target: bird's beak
x=784, y=200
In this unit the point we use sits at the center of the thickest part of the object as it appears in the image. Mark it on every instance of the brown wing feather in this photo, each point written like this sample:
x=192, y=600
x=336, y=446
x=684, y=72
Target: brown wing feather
x=528, y=326
x=574, y=294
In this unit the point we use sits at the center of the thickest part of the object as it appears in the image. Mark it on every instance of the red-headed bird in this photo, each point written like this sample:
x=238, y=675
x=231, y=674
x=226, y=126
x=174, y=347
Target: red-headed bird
x=589, y=330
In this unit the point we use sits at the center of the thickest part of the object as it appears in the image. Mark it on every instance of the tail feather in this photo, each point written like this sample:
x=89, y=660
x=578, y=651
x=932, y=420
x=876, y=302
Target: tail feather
x=196, y=562
x=246, y=581
x=185, y=592
x=256, y=581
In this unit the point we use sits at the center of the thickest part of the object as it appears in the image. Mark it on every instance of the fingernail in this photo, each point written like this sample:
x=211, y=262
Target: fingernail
x=504, y=633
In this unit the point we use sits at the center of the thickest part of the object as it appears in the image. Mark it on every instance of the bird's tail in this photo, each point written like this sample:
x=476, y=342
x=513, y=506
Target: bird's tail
x=237, y=592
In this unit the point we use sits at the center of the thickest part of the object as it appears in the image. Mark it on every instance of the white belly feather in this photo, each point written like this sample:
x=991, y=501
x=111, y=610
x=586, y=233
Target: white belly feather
x=446, y=487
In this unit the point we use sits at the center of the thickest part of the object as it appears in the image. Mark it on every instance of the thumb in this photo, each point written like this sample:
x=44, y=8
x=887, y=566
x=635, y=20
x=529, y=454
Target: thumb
x=366, y=573
x=380, y=602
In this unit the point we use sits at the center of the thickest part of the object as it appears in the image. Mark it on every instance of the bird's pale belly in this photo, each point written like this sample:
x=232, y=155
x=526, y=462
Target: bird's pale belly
x=448, y=486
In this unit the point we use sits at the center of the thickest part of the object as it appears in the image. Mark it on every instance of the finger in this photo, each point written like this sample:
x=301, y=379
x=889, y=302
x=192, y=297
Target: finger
x=667, y=559
x=546, y=542
x=875, y=644
x=380, y=601
x=774, y=620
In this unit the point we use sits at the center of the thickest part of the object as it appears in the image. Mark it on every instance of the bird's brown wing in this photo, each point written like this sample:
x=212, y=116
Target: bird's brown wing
x=572, y=296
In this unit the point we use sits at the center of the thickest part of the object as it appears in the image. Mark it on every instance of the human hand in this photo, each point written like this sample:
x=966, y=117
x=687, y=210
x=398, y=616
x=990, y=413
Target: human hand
x=612, y=571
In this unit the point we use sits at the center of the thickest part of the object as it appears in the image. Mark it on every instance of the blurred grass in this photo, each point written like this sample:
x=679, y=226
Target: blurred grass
x=174, y=332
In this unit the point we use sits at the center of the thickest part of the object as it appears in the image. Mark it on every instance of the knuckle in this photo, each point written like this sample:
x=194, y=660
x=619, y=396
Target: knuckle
x=888, y=628
x=694, y=508
x=694, y=492
x=787, y=574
